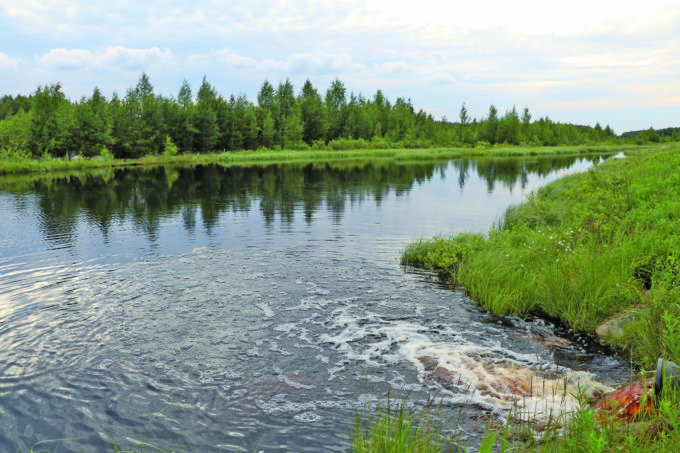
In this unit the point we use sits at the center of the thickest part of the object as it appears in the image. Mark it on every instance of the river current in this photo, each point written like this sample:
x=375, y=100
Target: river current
x=256, y=309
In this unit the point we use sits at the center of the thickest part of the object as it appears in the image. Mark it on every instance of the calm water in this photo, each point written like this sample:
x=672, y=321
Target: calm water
x=262, y=304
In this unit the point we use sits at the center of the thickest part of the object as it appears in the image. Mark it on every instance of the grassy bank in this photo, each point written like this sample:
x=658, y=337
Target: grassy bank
x=583, y=249
x=16, y=163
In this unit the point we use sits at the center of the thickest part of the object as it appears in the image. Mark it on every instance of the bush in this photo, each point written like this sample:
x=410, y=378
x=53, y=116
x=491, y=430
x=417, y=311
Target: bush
x=170, y=148
x=106, y=155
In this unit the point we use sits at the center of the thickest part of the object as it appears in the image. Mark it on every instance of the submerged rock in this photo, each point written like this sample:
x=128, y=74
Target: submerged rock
x=614, y=326
x=541, y=339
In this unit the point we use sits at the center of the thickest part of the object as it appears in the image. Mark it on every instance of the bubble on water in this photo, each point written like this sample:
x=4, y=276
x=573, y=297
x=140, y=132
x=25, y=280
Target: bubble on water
x=231, y=375
x=308, y=417
x=266, y=309
x=277, y=405
x=403, y=386
x=206, y=378
x=372, y=378
x=286, y=328
x=253, y=352
x=273, y=347
x=322, y=358
x=338, y=404
x=159, y=365
x=106, y=363
x=294, y=384
x=240, y=393
x=333, y=371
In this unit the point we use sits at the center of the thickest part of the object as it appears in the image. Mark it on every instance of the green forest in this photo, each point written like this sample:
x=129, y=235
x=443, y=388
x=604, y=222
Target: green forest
x=142, y=123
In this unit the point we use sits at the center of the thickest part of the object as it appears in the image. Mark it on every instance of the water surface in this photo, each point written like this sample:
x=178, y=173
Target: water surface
x=263, y=304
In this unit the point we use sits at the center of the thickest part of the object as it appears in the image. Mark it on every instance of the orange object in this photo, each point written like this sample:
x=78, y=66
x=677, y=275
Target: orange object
x=626, y=402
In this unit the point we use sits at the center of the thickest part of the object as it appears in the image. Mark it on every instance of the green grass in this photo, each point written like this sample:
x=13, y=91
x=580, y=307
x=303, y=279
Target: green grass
x=13, y=162
x=582, y=249
x=395, y=429
x=585, y=430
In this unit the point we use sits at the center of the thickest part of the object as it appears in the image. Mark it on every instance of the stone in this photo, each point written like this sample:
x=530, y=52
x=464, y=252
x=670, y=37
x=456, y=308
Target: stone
x=613, y=327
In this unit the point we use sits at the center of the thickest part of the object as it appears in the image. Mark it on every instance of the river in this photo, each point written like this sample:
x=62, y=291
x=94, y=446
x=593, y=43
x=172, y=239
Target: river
x=255, y=309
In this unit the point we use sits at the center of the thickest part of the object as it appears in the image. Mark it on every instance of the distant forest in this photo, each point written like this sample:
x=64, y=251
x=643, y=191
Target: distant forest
x=143, y=123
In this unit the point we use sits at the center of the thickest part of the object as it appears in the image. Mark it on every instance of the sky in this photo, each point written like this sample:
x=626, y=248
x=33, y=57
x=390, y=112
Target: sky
x=581, y=62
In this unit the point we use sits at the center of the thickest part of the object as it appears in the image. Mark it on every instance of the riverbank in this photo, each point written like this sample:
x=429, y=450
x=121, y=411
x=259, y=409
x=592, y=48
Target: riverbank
x=586, y=248
x=12, y=163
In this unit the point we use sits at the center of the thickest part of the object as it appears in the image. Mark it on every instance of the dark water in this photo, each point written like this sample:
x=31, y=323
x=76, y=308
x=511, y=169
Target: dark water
x=262, y=304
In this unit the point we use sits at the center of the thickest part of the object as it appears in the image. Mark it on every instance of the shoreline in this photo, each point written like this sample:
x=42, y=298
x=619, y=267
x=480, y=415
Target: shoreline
x=30, y=166
x=592, y=249
x=574, y=241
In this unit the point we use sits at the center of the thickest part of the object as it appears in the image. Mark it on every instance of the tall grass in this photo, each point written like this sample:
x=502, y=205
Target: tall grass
x=582, y=249
x=393, y=428
x=14, y=162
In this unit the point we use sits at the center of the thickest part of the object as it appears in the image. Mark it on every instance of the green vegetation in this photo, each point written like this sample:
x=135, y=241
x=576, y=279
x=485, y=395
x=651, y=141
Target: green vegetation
x=398, y=430
x=13, y=162
x=582, y=249
x=139, y=123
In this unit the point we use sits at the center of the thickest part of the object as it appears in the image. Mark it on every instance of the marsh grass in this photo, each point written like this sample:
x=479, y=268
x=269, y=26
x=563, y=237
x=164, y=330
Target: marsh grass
x=15, y=162
x=393, y=428
x=582, y=249
x=583, y=429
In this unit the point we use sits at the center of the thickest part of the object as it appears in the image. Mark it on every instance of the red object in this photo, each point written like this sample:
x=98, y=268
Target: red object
x=626, y=402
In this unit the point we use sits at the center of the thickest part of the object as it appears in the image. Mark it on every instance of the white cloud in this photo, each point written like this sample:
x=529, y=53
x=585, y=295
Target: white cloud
x=532, y=17
x=437, y=52
x=8, y=63
x=112, y=57
x=306, y=63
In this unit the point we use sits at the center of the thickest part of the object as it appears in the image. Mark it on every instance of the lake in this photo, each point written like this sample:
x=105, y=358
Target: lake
x=256, y=308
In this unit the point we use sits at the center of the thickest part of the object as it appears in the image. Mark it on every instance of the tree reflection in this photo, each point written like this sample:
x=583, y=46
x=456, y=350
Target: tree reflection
x=146, y=196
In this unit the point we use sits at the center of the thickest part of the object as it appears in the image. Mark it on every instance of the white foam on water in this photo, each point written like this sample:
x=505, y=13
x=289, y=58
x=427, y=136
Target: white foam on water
x=500, y=378
x=286, y=328
x=266, y=310
x=206, y=378
x=277, y=405
x=274, y=347
x=308, y=417
x=487, y=374
x=290, y=382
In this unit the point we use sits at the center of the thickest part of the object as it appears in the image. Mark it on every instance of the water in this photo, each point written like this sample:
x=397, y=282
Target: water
x=257, y=308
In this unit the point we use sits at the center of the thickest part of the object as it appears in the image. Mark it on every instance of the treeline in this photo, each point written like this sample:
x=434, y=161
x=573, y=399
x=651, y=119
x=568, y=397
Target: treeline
x=145, y=123
x=654, y=135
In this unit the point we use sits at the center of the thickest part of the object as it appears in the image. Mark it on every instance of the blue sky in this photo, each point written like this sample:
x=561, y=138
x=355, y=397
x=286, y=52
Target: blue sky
x=613, y=62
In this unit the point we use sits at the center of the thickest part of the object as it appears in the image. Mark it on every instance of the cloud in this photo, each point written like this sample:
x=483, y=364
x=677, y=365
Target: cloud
x=586, y=104
x=112, y=57
x=443, y=79
x=8, y=63
x=306, y=63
